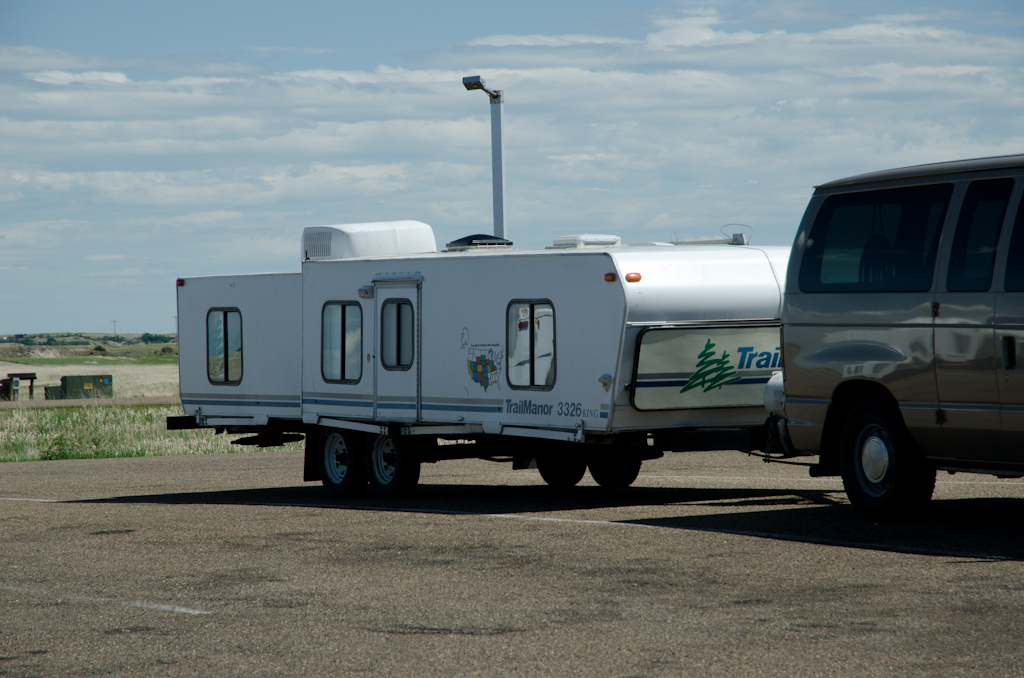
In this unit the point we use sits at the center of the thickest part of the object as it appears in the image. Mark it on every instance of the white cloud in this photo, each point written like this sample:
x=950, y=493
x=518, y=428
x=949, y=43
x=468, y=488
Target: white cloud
x=547, y=41
x=86, y=77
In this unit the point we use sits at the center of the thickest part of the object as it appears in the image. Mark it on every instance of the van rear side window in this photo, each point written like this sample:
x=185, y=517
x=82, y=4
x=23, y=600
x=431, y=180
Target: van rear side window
x=977, y=233
x=224, y=345
x=1014, y=280
x=875, y=241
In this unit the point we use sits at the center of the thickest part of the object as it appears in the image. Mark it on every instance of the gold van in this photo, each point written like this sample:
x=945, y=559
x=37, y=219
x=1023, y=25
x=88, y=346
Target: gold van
x=903, y=311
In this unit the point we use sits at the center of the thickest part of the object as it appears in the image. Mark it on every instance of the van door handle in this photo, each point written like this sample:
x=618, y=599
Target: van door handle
x=1009, y=353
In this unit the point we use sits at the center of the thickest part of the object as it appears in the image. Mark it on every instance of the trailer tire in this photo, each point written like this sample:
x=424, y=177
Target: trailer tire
x=341, y=465
x=610, y=470
x=562, y=468
x=884, y=473
x=392, y=468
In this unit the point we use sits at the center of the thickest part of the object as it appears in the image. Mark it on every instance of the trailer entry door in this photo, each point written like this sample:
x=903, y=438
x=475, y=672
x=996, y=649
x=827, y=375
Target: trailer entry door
x=397, y=367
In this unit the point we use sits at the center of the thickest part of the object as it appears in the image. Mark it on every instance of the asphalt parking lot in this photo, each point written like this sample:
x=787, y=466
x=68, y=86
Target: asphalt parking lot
x=712, y=564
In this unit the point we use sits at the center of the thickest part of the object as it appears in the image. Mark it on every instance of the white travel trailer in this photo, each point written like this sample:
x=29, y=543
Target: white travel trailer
x=385, y=353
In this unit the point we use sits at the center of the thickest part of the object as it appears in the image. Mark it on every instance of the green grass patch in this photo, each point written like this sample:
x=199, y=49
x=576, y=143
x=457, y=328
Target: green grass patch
x=104, y=432
x=99, y=361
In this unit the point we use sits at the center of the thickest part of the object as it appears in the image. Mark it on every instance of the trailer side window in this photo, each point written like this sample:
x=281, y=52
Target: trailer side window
x=224, y=345
x=396, y=334
x=530, y=344
x=875, y=241
x=341, y=342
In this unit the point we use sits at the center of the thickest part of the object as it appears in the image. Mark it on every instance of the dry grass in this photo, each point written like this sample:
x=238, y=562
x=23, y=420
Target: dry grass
x=104, y=432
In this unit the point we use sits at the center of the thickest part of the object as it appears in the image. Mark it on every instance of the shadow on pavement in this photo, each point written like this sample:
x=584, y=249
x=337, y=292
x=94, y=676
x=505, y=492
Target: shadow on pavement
x=987, y=528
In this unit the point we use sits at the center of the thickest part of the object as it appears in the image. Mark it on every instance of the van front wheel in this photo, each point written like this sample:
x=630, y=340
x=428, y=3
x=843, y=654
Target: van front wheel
x=884, y=473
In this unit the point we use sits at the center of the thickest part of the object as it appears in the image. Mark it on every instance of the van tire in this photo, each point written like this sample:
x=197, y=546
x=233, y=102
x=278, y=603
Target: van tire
x=341, y=464
x=392, y=469
x=611, y=470
x=884, y=473
x=562, y=468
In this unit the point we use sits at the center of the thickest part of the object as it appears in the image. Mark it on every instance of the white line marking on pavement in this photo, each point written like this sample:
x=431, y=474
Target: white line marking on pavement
x=44, y=501
x=129, y=603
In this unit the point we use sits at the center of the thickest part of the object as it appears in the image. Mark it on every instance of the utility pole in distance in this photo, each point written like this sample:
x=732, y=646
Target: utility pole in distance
x=497, y=150
x=115, y=329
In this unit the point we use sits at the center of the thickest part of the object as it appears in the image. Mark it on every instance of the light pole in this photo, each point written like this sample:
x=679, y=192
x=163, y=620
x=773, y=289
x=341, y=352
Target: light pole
x=497, y=150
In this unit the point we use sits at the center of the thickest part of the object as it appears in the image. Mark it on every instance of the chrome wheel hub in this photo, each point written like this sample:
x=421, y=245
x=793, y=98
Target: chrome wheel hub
x=875, y=457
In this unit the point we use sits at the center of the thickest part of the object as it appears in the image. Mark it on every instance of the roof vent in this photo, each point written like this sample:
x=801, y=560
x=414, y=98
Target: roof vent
x=478, y=242
x=585, y=240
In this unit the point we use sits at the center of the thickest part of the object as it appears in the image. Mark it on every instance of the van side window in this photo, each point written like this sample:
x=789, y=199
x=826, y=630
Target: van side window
x=875, y=241
x=224, y=345
x=977, y=234
x=530, y=345
x=1014, y=280
x=396, y=335
x=341, y=342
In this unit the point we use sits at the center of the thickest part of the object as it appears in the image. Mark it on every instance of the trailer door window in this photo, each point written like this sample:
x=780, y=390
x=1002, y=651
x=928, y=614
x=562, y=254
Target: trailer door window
x=396, y=335
x=531, y=344
x=224, y=345
x=341, y=342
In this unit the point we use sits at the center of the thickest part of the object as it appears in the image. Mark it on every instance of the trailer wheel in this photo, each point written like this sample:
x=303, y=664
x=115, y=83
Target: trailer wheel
x=884, y=473
x=341, y=466
x=562, y=468
x=609, y=470
x=392, y=468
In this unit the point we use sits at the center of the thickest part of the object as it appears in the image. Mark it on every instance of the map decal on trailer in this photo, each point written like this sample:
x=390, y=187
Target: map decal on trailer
x=483, y=361
x=696, y=368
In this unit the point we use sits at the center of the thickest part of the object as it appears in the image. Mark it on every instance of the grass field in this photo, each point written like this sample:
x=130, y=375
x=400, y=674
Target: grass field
x=97, y=360
x=104, y=432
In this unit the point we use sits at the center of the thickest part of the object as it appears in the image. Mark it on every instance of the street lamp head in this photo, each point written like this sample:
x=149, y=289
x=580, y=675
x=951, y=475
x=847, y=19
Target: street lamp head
x=474, y=82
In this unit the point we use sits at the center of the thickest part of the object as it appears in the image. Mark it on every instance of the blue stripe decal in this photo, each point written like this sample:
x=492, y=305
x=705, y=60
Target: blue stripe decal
x=684, y=382
x=396, y=406
x=240, y=403
x=464, y=408
x=337, y=403
x=604, y=415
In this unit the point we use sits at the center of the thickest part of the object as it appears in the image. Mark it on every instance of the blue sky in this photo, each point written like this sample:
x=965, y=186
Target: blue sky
x=144, y=141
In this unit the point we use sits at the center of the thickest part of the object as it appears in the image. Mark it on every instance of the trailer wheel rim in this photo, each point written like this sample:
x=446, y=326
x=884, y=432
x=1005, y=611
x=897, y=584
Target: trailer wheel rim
x=384, y=460
x=336, y=458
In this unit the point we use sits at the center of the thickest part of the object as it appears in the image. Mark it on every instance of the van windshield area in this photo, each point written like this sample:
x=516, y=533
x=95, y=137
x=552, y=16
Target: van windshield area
x=876, y=241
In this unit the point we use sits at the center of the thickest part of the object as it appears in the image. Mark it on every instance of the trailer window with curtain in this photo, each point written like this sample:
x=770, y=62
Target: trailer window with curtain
x=396, y=335
x=341, y=342
x=531, y=344
x=224, y=345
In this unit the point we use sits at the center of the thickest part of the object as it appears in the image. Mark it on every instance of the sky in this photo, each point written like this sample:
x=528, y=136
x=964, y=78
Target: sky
x=145, y=141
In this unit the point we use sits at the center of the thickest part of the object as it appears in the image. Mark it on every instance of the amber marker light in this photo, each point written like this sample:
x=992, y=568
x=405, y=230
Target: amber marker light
x=632, y=277
x=609, y=277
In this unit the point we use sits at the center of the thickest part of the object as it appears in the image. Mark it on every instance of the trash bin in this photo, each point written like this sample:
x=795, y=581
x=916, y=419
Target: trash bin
x=87, y=386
